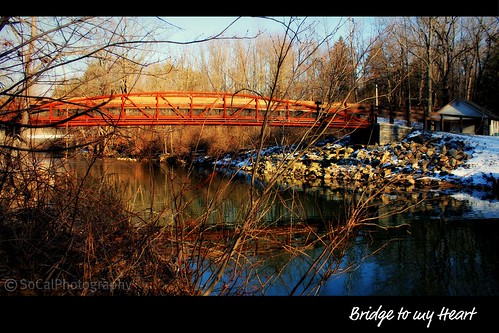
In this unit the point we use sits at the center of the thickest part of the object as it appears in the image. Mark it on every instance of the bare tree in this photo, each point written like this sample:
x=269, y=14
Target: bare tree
x=480, y=35
x=229, y=272
x=168, y=251
x=65, y=218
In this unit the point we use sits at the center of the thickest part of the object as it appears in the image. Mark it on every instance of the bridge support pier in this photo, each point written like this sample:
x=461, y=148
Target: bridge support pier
x=37, y=136
x=380, y=133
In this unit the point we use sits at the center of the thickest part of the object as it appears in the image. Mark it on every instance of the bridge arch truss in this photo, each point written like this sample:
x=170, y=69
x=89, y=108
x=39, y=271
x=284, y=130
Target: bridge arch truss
x=193, y=108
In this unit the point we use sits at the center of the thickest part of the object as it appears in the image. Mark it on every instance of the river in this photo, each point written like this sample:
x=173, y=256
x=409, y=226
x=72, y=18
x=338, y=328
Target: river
x=446, y=247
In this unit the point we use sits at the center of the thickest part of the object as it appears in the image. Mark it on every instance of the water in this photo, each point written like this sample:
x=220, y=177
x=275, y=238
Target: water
x=446, y=245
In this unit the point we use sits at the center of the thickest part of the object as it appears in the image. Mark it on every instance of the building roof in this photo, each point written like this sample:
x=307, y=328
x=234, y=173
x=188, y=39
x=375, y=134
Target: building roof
x=459, y=107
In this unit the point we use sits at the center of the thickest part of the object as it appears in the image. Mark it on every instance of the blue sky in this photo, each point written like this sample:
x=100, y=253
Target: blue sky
x=198, y=27
x=186, y=29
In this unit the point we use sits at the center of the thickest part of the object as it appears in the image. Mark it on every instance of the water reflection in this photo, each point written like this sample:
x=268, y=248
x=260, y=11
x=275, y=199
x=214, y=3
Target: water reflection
x=442, y=252
x=445, y=258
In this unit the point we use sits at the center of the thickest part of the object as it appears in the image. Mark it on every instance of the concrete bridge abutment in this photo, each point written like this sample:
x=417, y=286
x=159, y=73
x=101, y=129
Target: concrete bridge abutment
x=36, y=135
x=381, y=133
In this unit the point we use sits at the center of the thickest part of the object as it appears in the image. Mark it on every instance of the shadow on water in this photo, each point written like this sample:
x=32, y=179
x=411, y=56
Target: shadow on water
x=440, y=252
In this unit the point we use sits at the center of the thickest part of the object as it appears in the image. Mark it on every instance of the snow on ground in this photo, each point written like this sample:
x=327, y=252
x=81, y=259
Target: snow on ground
x=484, y=162
x=479, y=170
x=477, y=174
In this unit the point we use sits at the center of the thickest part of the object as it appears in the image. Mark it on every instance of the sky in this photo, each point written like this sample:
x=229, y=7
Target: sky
x=198, y=27
x=178, y=30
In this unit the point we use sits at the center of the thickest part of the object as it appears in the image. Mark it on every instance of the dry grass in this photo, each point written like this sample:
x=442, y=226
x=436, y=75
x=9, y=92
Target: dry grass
x=78, y=239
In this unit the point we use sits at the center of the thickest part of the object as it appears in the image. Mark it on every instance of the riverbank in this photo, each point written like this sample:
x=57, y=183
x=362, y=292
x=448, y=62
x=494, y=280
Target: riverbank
x=439, y=161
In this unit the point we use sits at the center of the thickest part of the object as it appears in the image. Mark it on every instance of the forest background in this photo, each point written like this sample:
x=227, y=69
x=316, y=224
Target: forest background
x=396, y=63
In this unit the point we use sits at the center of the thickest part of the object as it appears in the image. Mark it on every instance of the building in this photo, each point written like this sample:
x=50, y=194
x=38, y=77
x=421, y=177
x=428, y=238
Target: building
x=462, y=116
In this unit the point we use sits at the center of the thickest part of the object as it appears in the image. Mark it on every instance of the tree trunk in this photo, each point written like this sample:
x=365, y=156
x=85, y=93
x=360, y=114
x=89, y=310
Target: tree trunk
x=428, y=72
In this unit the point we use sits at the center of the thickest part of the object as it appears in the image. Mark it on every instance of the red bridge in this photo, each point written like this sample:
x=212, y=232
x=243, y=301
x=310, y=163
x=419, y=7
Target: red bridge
x=192, y=108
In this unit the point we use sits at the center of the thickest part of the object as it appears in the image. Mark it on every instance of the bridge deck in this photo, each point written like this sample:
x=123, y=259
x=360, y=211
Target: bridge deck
x=192, y=108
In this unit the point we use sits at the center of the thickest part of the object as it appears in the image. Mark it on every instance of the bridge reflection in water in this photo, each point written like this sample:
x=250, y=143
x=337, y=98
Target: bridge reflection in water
x=440, y=253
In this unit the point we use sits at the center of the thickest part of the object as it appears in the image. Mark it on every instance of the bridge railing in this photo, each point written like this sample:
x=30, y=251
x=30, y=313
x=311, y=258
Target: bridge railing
x=191, y=108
